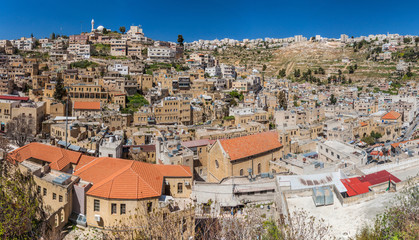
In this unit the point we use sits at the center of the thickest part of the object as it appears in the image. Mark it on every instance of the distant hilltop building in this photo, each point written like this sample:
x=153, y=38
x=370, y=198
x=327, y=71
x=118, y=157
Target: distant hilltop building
x=343, y=38
x=98, y=29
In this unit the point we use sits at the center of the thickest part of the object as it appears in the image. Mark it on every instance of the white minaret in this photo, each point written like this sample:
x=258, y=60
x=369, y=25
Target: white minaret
x=93, y=25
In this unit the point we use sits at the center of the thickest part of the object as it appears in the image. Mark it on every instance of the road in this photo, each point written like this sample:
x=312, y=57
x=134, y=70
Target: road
x=411, y=129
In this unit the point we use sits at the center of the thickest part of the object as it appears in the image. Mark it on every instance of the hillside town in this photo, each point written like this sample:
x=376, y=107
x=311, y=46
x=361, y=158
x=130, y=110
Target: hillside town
x=114, y=126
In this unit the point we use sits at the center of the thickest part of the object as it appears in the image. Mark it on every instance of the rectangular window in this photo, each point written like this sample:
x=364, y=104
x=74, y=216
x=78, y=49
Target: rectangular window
x=96, y=205
x=60, y=198
x=45, y=191
x=113, y=208
x=54, y=196
x=123, y=207
x=149, y=206
x=180, y=188
x=39, y=189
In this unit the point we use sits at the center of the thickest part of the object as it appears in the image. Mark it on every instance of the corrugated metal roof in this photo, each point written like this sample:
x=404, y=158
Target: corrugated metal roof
x=314, y=180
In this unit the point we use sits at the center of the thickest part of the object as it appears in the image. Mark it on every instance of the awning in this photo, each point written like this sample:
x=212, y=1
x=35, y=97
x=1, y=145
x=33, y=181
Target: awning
x=62, y=143
x=310, y=154
x=74, y=147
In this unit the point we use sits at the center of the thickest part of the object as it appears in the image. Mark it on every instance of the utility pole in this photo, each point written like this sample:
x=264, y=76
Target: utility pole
x=66, y=123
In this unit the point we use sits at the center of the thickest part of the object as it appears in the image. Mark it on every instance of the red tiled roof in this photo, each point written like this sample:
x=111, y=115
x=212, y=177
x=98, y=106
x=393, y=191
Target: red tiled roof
x=392, y=115
x=394, y=145
x=126, y=179
x=363, y=124
x=58, y=158
x=174, y=170
x=84, y=159
x=111, y=177
x=246, y=146
x=87, y=105
x=376, y=153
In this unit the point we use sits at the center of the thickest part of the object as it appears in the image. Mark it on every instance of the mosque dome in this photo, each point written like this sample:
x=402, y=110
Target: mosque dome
x=100, y=28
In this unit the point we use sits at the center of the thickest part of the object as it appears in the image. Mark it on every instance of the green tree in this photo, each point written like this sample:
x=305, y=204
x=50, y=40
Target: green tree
x=399, y=221
x=23, y=215
x=122, y=29
x=297, y=73
x=351, y=70
x=264, y=67
x=105, y=31
x=409, y=72
x=237, y=95
x=407, y=40
x=376, y=135
x=332, y=99
x=282, y=100
x=282, y=73
x=52, y=36
x=180, y=39
x=59, y=91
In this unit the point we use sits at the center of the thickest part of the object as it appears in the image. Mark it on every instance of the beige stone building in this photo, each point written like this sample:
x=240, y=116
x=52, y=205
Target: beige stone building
x=243, y=156
x=171, y=110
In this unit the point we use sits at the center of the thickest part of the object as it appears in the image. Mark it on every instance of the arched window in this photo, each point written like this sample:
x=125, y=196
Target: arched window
x=259, y=168
x=62, y=215
x=57, y=223
x=241, y=172
x=216, y=164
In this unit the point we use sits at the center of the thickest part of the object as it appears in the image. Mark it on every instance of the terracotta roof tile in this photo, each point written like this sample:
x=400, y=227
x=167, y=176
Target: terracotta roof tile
x=394, y=145
x=392, y=115
x=127, y=179
x=58, y=158
x=174, y=170
x=111, y=177
x=87, y=105
x=246, y=146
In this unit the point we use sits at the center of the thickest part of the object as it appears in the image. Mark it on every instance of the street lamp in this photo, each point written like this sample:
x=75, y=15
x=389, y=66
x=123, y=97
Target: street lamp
x=66, y=119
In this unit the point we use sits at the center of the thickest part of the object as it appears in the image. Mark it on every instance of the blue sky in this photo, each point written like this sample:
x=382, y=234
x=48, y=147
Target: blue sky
x=164, y=20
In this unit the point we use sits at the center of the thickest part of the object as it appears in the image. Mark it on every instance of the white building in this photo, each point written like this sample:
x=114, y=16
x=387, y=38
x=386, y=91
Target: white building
x=161, y=54
x=111, y=146
x=213, y=71
x=117, y=67
x=341, y=153
x=228, y=71
x=81, y=50
x=25, y=44
x=118, y=47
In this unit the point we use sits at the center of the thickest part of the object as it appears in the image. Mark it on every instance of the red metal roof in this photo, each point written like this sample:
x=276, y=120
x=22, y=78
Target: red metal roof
x=16, y=98
x=355, y=187
x=360, y=185
x=379, y=177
